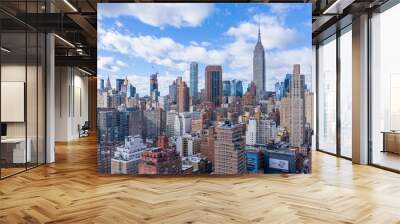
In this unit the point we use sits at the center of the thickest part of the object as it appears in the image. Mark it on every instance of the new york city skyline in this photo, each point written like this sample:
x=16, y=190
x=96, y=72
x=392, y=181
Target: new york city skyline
x=134, y=44
x=206, y=121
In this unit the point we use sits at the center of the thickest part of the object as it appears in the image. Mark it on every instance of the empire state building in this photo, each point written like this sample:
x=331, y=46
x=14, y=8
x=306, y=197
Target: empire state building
x=259, y=67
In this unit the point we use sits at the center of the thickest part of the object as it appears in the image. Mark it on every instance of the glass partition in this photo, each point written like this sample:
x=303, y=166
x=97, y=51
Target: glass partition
x=13, y=105
x=22, y=95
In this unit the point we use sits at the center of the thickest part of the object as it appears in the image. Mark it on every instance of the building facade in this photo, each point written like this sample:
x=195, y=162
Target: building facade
x=213, y=85
x=182, y=96
x=230, y=155
x=194, y=80
x=259, y=67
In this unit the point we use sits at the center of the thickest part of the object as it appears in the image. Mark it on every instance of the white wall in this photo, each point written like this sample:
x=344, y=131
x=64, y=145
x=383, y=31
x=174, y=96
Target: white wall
x=71, y=103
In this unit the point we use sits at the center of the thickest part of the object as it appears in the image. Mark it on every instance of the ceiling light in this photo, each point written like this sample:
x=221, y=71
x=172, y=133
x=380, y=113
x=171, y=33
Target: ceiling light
x=84, y=71
x=64, y=40
x=337, y=7
x=70, y=5
x=5, y=50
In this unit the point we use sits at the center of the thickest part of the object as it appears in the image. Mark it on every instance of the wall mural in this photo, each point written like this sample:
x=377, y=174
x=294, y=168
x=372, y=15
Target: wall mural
x=204, y=88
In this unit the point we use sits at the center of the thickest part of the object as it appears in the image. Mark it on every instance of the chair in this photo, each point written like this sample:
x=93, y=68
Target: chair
x=84, y=130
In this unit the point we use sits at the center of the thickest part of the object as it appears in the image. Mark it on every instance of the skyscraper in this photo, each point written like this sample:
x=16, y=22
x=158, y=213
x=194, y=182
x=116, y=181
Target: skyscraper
x=259, y=67
x=101, y=84
x=153, y=82
x=118, y=84
x=172, y=92
x=132, y=90
x=124, y=87
x=108, y=86
x=182, y=96
x=207, y=144
x=297, y=110
x=226, y=88
x=229, y=149
x=236, y=88
x=154, y=93
x=194, y=79
x=213, y=85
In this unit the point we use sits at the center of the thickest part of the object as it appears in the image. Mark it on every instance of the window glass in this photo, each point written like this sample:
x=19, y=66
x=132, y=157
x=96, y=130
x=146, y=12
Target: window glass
x=327, y=95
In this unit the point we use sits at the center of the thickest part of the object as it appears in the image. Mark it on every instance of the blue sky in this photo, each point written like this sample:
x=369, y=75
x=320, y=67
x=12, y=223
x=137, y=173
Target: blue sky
x=136, y=40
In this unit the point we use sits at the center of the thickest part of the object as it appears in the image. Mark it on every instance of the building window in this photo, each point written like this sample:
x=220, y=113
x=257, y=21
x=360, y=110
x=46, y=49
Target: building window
x=327, y=95
x=346, y=92
x=385, y=89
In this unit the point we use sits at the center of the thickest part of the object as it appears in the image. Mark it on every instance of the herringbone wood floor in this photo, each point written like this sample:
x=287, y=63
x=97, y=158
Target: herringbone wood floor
x=70, y=191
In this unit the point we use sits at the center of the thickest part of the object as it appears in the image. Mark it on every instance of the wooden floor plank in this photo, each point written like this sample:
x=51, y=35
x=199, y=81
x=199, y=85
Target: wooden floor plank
x=70, y=191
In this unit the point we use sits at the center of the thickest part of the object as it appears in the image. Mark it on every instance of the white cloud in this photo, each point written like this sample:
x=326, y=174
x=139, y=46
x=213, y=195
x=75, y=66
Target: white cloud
x=280, y=63
x=119, y=24
x=161, y=14
x=161, y=51
x=274, y=32
x=283, y=8
x=276, y=37
x=237, y=54
x=109, y=64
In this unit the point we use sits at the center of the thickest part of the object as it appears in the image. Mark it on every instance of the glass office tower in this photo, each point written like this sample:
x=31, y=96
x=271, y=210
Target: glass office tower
x=194, y=80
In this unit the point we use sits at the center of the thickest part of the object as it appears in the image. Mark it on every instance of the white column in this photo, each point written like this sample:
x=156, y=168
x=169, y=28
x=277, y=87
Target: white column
x=50, y=100
x=360, y=89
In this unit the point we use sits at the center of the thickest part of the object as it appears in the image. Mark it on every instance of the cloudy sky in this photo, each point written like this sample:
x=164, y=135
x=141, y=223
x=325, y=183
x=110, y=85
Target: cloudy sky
x=136, y=40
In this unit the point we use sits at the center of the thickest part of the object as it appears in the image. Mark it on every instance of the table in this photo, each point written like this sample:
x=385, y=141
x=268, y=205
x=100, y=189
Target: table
x=391, y=141
x=13, y=150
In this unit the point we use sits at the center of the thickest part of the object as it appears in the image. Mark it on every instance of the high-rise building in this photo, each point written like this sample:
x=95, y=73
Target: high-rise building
x=251, y=132
x=198, y=123
x=132, y=90
x=163, y=102
x=309, y=107
x=182, y=123
x=236, y=88
x=226, y=88
x=194, y=79
x=136, y=123
x=187, y=145
x=172, y=92
x=182, y=96
x=118, y=84
x=126, y=158
x=296, y=107
x=207, y=144
x=101, y=84
x=259, y=67
x=124, y=87
x=266, y=131
x=170, y=126
x=162, y=142
x=250, y=97
x=108, y=86
x=153, y=82
x=154, y=122
x=213, y=84
x=160, y=161
x=230, y=155
x=261, y=131
x=154, y=93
